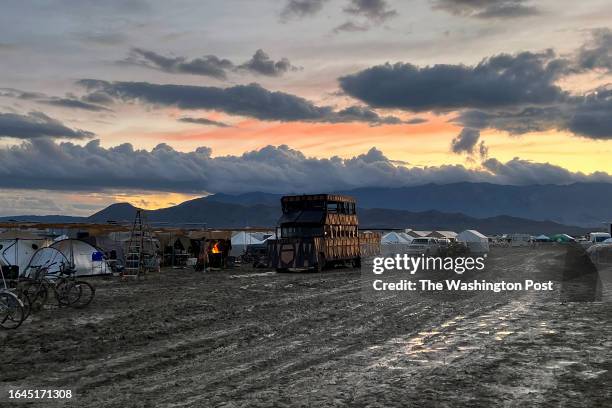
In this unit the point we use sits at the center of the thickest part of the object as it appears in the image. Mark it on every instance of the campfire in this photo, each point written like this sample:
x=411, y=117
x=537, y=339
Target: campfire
x=215, y=249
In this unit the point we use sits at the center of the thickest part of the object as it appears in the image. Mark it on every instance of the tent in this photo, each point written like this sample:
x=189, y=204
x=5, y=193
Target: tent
x=81, y=256
x=241, y=241
x=450, y=235
x=17, y=248
x=542, y=238
x=394, y=243
x=475, y=241
x=48, y=257
x=563, y=238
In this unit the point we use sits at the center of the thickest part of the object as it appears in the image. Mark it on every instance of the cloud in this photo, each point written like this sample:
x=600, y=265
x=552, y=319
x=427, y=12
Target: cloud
x=498, y=81
x=465, y=141
x=37, y=125
x=487, y=9
x=208, y=65
x=71, y=102
x=597, y=53
x=42, y=163
x=588, y=116
x=301, y=8
x=262, y=64
x=203, y=121
x=351, y=27
x=376, y=11
x=74, y=104
x=244, y=100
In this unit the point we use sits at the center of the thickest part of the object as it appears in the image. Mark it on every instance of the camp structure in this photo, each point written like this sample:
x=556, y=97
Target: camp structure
x=241, y=242
x=476, y=242
x=542, y=238
x=18, y=247
x=562, y=238
x=83, y=258
x=450, y=235
x=50, y=258
x=394, y=243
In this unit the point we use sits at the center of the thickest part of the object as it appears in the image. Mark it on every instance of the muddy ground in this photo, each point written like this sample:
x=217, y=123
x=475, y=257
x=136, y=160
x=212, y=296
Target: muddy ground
x=247, y=337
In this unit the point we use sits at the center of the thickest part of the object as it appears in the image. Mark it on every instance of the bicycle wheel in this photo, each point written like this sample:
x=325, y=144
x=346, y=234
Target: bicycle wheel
x=27, y=305
x=67, y=293
x=11, y=310
x=37, y=293
x=86, y=294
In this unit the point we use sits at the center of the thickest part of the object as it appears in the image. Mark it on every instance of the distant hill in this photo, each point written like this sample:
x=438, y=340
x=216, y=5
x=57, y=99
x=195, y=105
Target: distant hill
x=60, y=219
x=203, y=211
x=584, y=204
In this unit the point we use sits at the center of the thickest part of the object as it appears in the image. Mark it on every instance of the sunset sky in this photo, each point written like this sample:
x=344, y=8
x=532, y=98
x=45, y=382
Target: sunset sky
x=157, y=102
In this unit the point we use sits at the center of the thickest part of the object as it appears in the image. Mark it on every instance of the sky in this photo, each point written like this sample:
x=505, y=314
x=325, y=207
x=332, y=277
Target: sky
x=155, y=102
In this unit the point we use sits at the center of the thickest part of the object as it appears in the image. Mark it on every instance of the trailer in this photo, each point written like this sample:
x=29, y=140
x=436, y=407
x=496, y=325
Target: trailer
x=319, y=231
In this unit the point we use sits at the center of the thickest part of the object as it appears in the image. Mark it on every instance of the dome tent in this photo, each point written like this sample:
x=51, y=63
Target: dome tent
x=562, y=238
x=48, y=257
x=84, y=258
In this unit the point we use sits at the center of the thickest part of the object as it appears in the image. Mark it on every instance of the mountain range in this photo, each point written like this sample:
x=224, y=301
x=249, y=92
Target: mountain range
x=490, y=208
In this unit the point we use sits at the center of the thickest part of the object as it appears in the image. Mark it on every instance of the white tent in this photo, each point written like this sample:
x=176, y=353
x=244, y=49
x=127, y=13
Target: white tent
x=241, y=241
x=475, y=241
x=47, y=257
x=394, y=243
x=82, y=257
x=17, y=248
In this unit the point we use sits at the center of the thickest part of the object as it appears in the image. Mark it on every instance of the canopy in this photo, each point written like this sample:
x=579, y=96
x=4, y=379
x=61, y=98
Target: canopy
x=241, y=241
x=542, y=238
x=84, y=258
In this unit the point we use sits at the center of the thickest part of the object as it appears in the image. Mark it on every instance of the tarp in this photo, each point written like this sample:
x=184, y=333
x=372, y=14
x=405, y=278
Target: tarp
x=475, y=241
x=241, y=241
x=82, y=257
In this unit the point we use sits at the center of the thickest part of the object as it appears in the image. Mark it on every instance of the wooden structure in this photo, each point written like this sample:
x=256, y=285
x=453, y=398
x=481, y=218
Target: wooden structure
x=319, y=230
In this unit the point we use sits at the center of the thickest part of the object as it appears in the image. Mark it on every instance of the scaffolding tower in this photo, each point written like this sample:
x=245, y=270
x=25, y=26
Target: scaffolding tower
x=140, y=256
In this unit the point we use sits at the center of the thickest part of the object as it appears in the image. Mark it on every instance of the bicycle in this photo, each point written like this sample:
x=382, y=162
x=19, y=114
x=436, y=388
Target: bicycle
x=12, y=312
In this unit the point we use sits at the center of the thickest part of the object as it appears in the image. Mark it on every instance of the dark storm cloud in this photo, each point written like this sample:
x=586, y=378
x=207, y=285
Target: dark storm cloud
x=364, y=114
x=487, y=9
x=376, y=11
x=42, y=163
x=262, y=64
x=245, y=100
x=209, y=65
x=301, y=8
x=588, y=116
x=597, y=53
x=502, y=80
x=465, y=141
x=203, y=121
x=592, y=115
x=37, y=125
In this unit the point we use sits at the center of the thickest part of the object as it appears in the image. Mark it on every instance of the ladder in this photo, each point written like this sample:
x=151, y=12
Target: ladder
x=140, y=253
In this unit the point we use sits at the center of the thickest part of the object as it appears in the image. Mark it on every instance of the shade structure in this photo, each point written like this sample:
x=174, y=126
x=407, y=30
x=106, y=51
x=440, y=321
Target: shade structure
x=394, y=243
x=83, y=258
x=562, y=238
x=542, y=238
x=475, y=241
x=241, y=241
